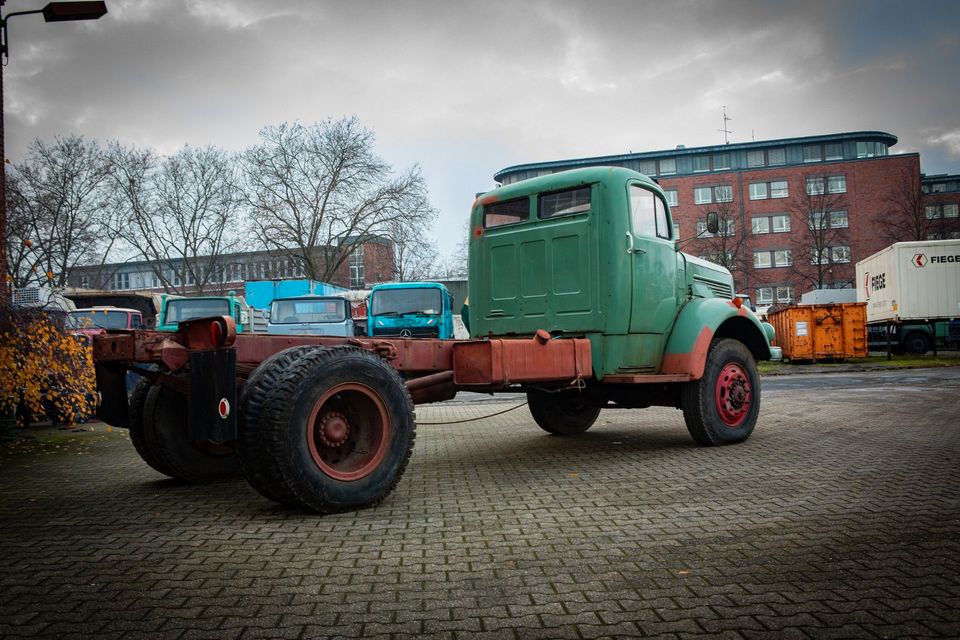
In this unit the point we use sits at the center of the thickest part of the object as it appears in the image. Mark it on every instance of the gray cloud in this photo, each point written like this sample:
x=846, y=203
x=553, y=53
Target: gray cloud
x=466, y=88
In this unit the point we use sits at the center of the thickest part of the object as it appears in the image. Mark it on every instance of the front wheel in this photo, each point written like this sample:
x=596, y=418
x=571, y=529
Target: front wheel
x=562, y=413
x=917, y=343
x=722, y=406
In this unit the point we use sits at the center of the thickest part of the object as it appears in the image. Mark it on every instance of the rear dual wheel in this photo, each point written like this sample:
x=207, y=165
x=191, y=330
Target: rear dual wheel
x=335, y=431
x=158, y=430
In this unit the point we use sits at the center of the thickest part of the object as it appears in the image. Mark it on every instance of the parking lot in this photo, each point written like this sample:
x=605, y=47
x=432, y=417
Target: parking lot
x=840, y=517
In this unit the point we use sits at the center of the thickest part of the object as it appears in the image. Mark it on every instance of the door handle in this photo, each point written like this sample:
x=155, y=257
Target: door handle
x=630, y=247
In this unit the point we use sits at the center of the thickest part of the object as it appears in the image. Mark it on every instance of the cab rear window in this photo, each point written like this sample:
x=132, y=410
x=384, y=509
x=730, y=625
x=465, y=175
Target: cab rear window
x=509, y=212
x=563, y=203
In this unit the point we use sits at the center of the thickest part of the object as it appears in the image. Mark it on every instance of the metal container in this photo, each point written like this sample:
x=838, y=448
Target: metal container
x=821, y=331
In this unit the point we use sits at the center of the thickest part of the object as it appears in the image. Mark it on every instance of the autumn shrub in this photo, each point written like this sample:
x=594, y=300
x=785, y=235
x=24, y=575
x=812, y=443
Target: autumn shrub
x=44, y=369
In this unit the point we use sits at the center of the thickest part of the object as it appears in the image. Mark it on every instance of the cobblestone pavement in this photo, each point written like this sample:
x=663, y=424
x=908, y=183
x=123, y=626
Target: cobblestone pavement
x=839, y=518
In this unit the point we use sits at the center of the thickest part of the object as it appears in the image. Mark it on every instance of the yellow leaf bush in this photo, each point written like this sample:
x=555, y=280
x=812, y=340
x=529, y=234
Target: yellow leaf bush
x=44, y=369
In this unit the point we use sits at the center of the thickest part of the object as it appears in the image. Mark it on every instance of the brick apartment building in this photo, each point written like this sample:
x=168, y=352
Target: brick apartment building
x=370, y=261
x=797, y=213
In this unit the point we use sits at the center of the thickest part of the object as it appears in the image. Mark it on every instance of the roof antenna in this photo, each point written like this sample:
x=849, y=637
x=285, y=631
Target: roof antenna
x=726, y=131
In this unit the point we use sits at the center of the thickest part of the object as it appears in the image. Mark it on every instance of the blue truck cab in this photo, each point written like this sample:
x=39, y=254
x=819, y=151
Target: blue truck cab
x=173, y=311
x=410, y=310
x=311, y=315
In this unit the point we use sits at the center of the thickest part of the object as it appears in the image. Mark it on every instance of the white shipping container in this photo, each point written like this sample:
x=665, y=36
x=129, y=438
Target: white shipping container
x=911, y=281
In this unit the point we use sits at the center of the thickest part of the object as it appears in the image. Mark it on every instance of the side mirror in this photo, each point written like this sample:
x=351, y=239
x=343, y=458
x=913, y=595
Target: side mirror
x=713, y=222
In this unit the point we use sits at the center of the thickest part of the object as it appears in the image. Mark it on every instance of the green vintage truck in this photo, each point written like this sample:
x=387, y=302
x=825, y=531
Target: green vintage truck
x=580, y=298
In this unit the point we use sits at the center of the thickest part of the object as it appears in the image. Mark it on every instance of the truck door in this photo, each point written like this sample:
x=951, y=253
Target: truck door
x=650, y=244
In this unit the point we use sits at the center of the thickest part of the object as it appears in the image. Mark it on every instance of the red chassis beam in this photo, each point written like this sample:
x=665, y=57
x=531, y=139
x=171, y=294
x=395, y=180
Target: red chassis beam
x=435, y=369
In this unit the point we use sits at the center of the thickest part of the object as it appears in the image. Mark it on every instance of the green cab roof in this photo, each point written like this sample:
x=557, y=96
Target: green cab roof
x=565, y=180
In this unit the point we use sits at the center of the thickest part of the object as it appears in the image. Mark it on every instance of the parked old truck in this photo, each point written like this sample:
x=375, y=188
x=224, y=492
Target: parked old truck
x=174, y=310
x=410, y=310
x=580, y=298
x=311, y=315
x=912, y=292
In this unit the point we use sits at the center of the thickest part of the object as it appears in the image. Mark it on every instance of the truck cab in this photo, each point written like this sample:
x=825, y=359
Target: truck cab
x=174, y=310
x=410, y=310
x=94, y=320
x=311, y=315
x=592, y=253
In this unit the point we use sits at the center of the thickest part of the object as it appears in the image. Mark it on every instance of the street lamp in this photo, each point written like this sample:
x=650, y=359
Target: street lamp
x=53, y=12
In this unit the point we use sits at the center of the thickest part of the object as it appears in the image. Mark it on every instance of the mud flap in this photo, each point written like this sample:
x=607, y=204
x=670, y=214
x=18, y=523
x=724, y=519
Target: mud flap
x=212, y=413
x=112, y=407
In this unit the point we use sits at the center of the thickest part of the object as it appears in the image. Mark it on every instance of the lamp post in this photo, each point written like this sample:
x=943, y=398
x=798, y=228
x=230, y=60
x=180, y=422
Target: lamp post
x=53, y=12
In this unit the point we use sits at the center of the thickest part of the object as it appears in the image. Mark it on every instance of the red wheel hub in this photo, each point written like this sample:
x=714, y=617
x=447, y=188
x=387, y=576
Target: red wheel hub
x=733, y=395
x=348, y=432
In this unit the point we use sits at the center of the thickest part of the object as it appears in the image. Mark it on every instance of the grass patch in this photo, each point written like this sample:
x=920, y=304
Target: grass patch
x=945, y=359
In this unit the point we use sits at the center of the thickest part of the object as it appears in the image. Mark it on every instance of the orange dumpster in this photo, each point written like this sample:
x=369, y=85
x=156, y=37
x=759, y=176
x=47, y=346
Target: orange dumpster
x=821, y=331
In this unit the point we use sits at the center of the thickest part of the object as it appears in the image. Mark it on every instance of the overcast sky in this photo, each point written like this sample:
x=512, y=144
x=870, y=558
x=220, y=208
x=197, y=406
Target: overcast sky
x=467, y=88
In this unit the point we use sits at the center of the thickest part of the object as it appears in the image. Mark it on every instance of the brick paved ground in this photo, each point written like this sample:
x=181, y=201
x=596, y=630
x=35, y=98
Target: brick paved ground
x=839, y=518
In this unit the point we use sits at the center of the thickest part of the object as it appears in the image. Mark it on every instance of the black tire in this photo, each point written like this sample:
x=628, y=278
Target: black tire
x=168, y=449
x=722, y=407
x=138, y=434
x=250, y=443
x=339, y=429
x=563, y=413
x=917, y=343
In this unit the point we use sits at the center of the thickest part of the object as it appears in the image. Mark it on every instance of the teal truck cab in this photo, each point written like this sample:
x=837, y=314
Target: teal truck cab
x=174, y=310
x=410, y=310
x=311, y=315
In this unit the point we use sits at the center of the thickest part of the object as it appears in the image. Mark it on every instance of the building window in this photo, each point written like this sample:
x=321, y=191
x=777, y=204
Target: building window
x=785, y=294
x=761, y=260
x=839, y=254
x=727, y=228
x=950, y=210
x=814, y=186
x=811, y=153
x=839, y=220
x=155, y=281
x=121, y=281
x=676, y=229
x=356, y=268
x=779, y=189
x=933, y=212
x=721, y=161
x=871, y=149
x=701, y=164
x=837, y=184
x=668, y=167
x=833, y=151
x=648, y=167
x=673, y=199
x=781, y=224
x=760, y=225
x=777, y=156
x=782, y=258
x=703, y=195
x=84, y=282
x=758, y=190
x=724, y=193
x=938, y=188
x=755, y=158
x=765, y=295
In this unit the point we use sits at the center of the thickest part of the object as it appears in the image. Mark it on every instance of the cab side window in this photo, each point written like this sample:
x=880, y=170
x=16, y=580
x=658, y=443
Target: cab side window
x=643, y=212
x=663, y=229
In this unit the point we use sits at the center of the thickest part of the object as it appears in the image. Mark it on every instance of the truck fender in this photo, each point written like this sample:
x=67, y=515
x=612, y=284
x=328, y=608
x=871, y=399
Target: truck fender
x=703, y=319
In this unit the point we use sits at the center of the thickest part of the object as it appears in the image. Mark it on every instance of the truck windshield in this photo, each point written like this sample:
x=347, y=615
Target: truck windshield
x=406, y=301
x=319, y=310
x=98, y=319
x=188, y=309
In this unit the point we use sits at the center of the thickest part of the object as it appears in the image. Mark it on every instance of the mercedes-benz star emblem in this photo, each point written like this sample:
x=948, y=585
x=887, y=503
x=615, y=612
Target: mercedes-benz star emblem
x=405, y=333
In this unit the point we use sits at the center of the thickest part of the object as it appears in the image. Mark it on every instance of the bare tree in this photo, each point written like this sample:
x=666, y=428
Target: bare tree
x=315, y=190
x=415, y=255
x=906, y=217
x=181, y=214
x=57, y=208
x=818, y=220
x=726, y=246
